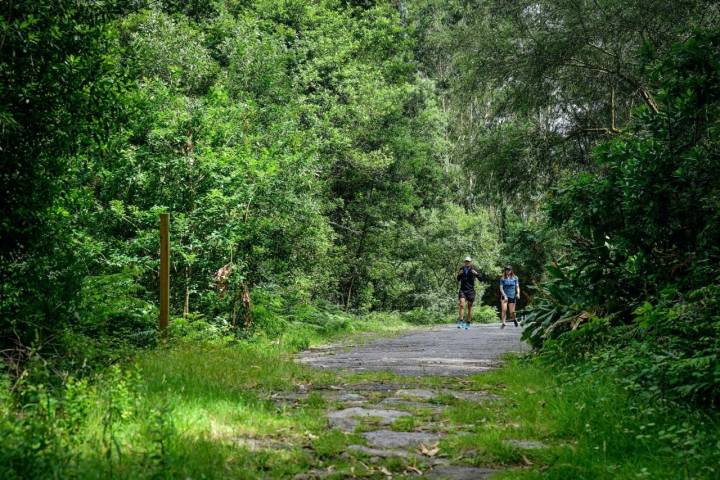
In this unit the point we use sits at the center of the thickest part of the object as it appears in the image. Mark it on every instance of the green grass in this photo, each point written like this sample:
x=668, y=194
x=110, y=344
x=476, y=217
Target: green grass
x=192, y=409
x=205, y=410
x=590, y=426
x=218, y=398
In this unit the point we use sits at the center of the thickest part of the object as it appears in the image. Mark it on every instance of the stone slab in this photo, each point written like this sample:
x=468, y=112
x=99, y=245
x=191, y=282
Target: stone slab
x=381, y=452
x=348, y=418
x=391, y=439
x=527, y=444
x=453, y=472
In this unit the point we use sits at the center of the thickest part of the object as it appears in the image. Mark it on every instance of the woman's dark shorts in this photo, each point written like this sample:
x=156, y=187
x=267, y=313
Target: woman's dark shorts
x=468, y=295
x=510, y=300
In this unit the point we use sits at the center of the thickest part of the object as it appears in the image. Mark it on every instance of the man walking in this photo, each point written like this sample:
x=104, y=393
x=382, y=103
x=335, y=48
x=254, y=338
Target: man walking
x=466, y=277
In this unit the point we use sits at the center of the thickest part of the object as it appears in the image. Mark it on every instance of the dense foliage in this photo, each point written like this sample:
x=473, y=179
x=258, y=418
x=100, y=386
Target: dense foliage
x=295, y=144
x=643, y=233
x=590, y=130
x=532, y=86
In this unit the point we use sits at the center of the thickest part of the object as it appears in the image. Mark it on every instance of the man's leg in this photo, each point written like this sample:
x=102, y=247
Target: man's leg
x=470, y=305
x=461, y=309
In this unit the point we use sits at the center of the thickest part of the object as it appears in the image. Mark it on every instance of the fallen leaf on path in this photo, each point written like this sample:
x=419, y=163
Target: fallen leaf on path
x=386, y=472
x=410, y=468
x=334, y=387
x=526, y=461
x=311, y=436
x=430, y=451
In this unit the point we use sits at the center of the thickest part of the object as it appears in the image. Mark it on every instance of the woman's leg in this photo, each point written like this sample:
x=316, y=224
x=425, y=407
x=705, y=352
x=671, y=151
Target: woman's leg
x=503, y=307
x=511, y=307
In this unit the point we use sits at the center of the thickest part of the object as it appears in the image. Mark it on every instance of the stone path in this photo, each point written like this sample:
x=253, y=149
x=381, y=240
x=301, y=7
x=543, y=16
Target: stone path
x=403, y=418
x=442, y=350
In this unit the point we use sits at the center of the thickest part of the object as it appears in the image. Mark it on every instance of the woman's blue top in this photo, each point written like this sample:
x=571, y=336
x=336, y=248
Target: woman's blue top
x=509, y=285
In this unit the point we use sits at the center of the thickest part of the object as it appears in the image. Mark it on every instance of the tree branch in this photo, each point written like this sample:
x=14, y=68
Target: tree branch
x=641, y=90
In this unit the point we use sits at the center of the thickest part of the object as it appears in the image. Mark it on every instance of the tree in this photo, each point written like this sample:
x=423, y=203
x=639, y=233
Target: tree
x=566, y=73
x=62, y=86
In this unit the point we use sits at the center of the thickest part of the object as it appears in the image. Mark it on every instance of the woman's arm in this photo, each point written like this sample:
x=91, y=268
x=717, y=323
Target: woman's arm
x=517, y=288
x=502, y=292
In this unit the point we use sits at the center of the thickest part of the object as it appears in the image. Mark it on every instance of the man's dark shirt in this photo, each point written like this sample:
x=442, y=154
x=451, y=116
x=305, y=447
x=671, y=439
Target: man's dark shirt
x=467, y=279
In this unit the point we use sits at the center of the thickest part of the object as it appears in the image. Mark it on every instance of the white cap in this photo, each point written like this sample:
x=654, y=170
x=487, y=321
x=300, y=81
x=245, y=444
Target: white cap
x=468, y=259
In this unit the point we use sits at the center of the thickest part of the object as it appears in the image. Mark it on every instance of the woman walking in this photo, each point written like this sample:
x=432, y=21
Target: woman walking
x=509, y=294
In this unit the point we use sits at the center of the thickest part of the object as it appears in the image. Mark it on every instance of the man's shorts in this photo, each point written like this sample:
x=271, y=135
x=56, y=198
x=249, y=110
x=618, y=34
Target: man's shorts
x=510, y=300
x=468, y=295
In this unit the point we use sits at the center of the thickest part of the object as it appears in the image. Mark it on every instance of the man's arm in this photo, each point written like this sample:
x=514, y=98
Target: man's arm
x=481, y=277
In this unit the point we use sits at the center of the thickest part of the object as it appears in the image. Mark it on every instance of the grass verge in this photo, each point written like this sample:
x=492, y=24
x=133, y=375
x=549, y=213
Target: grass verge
x=560, y=425
x=194, y=409
x=232, y=410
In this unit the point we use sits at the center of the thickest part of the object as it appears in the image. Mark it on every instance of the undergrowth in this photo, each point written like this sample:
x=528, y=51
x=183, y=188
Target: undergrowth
x=191, y=409
x=590, y=425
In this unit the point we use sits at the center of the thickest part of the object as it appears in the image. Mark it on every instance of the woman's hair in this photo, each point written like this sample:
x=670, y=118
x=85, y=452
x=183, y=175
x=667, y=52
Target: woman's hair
x=506, y=274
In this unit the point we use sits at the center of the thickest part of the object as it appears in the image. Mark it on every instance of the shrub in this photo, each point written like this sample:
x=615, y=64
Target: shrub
x=558, y=307
x=644, y=242
x=678, y=349
x=424, y=316
x=671, y=350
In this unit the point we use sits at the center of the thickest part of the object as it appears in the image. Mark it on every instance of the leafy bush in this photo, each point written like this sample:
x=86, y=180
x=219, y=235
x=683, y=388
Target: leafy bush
x=423, y=316
x=485, y=314
x=197, y=327
x=558, y=307
x=112, y=305
x=671, y=350
x=677, y=350
x=645, y=242
x=649, y=219
x=111, y=319
x=43, y=426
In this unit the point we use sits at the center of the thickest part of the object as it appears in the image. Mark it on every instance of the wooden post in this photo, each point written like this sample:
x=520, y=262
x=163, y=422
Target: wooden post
x=164, y=273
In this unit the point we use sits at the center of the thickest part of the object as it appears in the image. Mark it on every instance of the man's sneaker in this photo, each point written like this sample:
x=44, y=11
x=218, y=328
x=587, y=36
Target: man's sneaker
x=515, y=322
x=467, y=325
x=460, y=323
